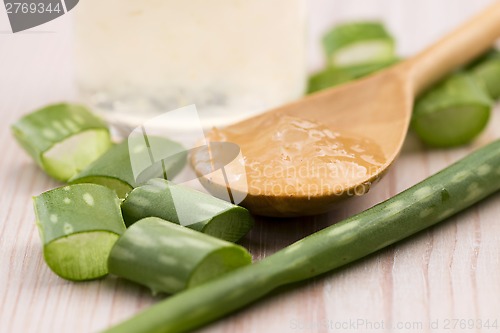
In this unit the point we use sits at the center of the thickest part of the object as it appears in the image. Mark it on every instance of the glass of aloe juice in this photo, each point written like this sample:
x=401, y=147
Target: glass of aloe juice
x=231, y=58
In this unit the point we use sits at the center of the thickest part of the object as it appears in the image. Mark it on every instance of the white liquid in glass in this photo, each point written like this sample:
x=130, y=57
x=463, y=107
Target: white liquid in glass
x=232, y=58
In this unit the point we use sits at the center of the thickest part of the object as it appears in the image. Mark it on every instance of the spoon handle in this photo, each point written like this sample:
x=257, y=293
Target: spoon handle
x=456, y=49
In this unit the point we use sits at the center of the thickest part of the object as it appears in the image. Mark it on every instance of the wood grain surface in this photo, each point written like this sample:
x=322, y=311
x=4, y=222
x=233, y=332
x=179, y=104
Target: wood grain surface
x=445, y=279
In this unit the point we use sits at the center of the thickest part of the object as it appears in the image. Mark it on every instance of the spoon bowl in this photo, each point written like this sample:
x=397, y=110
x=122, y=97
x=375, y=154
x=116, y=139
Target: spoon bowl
x=377, y=108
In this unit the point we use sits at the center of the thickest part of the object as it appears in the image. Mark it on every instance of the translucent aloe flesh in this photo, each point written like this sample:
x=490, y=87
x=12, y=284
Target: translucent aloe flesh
x=114, y=169
x=78, y=225
x=452, y=113
x=168, y=258
x=182, y=205
x=358, y=43
x=62, y=138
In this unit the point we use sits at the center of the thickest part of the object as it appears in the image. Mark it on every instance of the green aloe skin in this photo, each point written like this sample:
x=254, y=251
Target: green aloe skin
x=114, y=168
x=168, y=258
x=334, y=76
x=487, y=72
x=423, y=205
x=452, y=113
x=62, y=138
x=78, y=225
x=181, y=205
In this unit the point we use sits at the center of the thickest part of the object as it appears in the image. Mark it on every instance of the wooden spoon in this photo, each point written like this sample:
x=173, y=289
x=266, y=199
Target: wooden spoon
x=378, y=108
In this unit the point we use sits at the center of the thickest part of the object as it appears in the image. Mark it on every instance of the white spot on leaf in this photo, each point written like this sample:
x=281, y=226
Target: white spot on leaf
x=48, y=133
x=59, y=127
x=88, y=198
x=426, y=212
x=395, y=206
x=460, y=176
x=473, y=192
x=68, y=228
x=423, y=192
x=141, y=238
x=344, y=231
x=483, y=170
x=171, y=242
x=71, y=125
x=167, y=260
x=53, y=218
x=78, y=119
x=67, y=201
x=138, y=149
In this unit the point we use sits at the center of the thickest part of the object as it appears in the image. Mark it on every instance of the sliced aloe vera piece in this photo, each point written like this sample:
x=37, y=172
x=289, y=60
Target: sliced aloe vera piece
x=183, y=205
x=62, y=138
x=333, y=76
x=328, y=78
x=452, y=113
x=114, y=169
x=79, y=225
x=358, y=43
x=168, y=258
x=487, y=72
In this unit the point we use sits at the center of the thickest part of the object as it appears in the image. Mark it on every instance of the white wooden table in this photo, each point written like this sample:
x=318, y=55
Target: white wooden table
x=446, y=273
